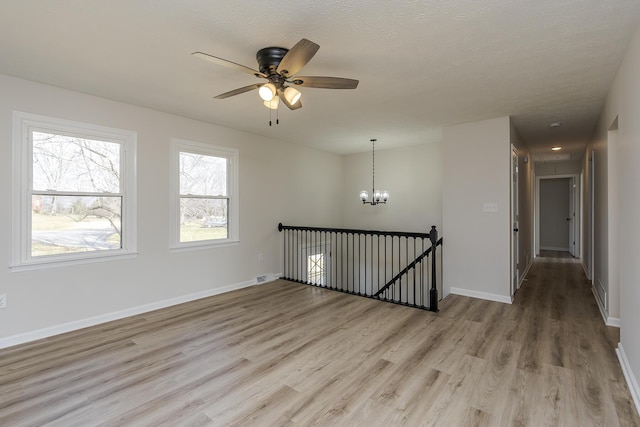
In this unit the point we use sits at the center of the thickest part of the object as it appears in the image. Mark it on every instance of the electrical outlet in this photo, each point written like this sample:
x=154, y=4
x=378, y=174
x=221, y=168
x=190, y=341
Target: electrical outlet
x=3, y=301
x=260, y=257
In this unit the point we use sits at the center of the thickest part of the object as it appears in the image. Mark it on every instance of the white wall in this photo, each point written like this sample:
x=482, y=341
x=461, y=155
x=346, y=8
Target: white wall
x=413, y=177
x=558, y=168
x=476, y=170
x=623, y=102
x=275, y=185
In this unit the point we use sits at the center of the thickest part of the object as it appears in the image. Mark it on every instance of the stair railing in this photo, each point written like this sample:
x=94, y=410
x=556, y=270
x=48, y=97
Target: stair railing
x=392, y=266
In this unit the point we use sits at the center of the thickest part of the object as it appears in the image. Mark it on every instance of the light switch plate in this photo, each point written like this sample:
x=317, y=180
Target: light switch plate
x=490, y=207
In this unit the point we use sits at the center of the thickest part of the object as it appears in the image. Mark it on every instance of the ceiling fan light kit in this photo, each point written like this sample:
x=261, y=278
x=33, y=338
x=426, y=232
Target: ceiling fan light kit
x=273, y=104
x=279, y=66
x=292, y=95
x=267, y=91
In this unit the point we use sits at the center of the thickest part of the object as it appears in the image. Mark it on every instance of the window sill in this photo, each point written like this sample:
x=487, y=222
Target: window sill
x=52, y=263
x=196, y=246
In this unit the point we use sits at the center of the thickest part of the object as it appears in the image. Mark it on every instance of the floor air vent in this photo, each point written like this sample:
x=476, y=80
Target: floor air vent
x=265, y=278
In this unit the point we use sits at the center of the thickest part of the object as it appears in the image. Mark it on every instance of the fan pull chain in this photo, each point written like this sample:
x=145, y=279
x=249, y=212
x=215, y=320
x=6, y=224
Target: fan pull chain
x=277, y=116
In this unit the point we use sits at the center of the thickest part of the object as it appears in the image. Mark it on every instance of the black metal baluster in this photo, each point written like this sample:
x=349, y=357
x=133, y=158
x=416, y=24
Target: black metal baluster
x=414, y=273
x=360, y=263
x=422, y=276
x=299, y=255
x=392, y=291
x=284, y=255
x=378, y=269
x=365, y=264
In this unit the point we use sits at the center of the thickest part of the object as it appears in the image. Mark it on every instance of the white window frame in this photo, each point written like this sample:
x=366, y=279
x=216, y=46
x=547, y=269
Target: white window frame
x=23, y=125
x=233, y=215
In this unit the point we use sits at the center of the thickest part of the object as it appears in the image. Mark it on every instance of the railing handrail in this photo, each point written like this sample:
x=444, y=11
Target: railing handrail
x=356, y=231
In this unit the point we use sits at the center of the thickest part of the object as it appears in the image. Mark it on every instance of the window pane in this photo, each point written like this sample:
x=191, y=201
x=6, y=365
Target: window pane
x=203, y=175
x=65, y=163
x=316, y=269
x=66, y=224
x=203, y=219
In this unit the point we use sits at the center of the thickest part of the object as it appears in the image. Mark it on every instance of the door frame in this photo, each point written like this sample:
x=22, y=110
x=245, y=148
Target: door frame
x=515, y=221
x=577, y=226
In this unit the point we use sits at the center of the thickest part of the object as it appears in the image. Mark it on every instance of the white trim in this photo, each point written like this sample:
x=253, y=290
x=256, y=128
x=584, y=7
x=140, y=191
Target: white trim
x=554, y=248
x=524, y=273
x=481, y=295
x=632, y=383
x=536, y=210
x=23, y=124
x=586, y=271
x=108, y=317
x=613, y=322
x=205, y=244
x=608, y=320
x=59, y=262
x=233, y=216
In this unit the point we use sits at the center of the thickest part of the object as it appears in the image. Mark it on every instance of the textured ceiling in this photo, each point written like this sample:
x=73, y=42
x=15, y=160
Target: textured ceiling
x=422, y=65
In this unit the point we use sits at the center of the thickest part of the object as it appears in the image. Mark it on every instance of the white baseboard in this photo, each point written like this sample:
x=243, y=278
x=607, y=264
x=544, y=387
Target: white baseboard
x=108, y=317
x=608, y=320
x=586, y=273
x=524, y=273
x=632, y=383
x=554, y=248
x=481, y=295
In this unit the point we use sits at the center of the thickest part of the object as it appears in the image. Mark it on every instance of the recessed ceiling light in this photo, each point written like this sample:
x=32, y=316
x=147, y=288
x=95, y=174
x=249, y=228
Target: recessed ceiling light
x=556, y=148
x=555, y=125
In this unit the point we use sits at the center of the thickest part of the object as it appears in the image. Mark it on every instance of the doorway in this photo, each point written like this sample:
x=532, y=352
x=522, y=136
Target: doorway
x=558, y=214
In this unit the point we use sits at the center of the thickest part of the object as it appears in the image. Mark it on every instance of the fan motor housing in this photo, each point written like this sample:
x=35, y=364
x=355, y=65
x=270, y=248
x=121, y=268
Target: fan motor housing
x=269, y=58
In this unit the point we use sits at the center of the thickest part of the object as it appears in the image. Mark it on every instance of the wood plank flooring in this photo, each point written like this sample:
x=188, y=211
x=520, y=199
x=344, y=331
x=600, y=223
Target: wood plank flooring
x=284, y=354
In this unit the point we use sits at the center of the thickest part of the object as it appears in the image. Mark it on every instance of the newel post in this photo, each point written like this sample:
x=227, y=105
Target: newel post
x=433, y=296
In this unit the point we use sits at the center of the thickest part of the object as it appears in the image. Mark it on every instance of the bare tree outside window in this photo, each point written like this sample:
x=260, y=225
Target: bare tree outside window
x=204, y=198
x=76, y=195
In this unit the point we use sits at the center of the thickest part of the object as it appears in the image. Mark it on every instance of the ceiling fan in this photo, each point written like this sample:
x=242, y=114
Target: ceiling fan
x=279, y=67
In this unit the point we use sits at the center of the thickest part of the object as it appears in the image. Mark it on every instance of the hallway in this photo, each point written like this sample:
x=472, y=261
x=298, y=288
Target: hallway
x=568, y=353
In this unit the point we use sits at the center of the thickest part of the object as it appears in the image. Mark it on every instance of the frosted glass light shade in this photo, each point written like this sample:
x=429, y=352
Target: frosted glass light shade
x=364, y=195
x=273, y=104
x=267, y=91
x=292, y=95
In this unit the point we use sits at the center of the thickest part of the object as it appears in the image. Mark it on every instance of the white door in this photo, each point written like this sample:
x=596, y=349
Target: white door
x=515, y=268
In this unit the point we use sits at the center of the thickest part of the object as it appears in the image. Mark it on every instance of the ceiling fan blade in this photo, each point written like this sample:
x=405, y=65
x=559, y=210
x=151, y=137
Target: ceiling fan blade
x=237, y=91
x=289, y=105
x=325, y=82
x=228, y=64
x=297, y=57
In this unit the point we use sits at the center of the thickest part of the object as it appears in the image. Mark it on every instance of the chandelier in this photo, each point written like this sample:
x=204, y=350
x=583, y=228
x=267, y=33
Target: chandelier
x=378, y=196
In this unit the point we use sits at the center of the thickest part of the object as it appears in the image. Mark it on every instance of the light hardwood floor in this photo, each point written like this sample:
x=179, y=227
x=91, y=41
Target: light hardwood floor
x=285, y=354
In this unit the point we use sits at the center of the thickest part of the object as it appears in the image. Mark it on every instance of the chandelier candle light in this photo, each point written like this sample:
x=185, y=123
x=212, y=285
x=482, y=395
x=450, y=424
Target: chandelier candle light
x=378, y=196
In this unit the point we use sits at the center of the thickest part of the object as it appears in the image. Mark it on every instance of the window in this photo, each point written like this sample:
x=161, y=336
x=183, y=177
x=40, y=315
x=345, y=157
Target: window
x=205, y=195
x=316, y=260
x=74, y=191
